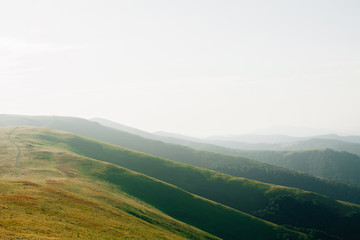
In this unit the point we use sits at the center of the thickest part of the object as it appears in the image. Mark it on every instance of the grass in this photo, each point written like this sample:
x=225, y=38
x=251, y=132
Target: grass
x=47, y=199
x=38, y=211
x=278, y=204
x=235, y=166
x=54, y=193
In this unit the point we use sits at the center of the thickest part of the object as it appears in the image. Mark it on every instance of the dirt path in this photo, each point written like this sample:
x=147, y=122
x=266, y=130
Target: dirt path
x=17, y=163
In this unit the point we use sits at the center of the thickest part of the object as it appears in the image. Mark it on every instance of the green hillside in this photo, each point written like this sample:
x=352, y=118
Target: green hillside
x=316, y=143
x=48, y=192
x=313, y=143
x=236, y=166
x=81, y=209
x=326, y=163
x=245, y=195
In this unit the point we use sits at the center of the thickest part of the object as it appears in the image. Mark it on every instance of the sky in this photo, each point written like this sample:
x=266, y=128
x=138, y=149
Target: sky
x=199, y=67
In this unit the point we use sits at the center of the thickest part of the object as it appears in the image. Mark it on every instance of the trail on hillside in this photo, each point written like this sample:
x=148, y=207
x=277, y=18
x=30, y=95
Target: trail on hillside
x=17, y=162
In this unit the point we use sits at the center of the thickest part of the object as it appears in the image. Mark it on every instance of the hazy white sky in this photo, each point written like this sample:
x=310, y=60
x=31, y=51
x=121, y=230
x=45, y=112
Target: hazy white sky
x=196, y=67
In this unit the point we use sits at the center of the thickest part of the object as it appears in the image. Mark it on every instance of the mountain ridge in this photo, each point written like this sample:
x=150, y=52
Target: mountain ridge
x=348, y=175
x=165, y=171
x=236, y=166
x=41, y=161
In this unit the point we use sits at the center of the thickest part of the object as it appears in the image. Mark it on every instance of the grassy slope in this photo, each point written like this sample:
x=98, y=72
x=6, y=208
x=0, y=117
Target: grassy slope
x=65, y=195
x=236, y=166
x=302, y=209
x=47, y=211
x=326, y=163
x=44, y=198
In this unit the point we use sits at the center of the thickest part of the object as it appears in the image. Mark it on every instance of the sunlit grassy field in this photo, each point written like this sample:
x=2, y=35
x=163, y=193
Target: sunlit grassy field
x=42, y=198
x=49, y=192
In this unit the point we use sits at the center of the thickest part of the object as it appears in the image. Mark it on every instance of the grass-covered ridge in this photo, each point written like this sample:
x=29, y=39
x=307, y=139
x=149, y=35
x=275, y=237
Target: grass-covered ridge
x=52, y=192
x=287, y=206
x=46, y=197
x=325, y=163
x=236, y=166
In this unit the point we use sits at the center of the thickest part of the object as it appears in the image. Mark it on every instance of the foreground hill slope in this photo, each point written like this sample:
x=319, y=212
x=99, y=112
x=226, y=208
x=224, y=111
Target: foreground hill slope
x=47, y=191
x=236, y=166
x=75, y=209
x=298, y=209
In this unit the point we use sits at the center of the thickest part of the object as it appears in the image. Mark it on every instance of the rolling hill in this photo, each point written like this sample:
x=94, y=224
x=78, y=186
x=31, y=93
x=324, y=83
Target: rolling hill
x=49, y=192
x=351, y=138
x=313, y=143
x=297, y=209
x=326, y=163
x=236, y=166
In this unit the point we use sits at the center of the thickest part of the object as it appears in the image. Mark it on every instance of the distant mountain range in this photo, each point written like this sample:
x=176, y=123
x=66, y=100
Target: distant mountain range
x=262, y=142
x=273, y=139
x=313, y=143
x=248, y=142
x=322, y=162
x=255, y=138
x=290, y=130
